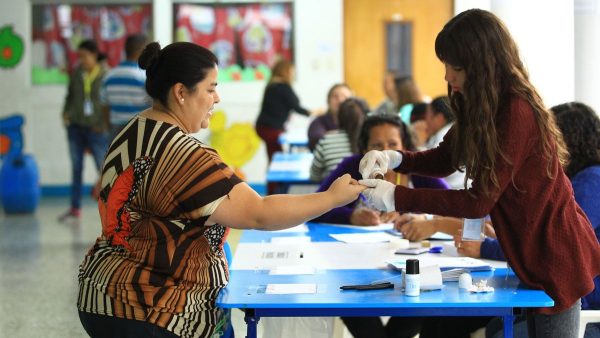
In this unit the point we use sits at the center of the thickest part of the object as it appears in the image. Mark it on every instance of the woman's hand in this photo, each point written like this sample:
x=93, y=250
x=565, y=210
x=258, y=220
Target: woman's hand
x=467, y=248
x=390, y=217
x=365, y=216
x=418, y=229
x=344, y=190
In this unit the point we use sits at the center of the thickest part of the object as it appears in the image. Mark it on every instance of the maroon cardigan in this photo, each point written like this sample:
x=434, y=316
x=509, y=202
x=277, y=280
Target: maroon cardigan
x=546, y=237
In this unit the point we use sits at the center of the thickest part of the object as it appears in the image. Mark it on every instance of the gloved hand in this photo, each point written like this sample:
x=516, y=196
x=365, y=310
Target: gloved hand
x=376, y=160
x=380, y=194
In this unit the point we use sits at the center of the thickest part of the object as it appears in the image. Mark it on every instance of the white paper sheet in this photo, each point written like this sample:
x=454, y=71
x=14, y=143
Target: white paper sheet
x=293, y=270
x=290, y=239
x=289, y=165
x=320, y=255
x=298, y=228
x=371, y=237
x=379, y=227
x=286, y=289
x=441, y=236
x=468, y=263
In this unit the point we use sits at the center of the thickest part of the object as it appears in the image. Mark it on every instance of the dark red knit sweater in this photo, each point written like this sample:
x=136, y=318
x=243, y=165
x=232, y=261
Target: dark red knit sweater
x=545, y=235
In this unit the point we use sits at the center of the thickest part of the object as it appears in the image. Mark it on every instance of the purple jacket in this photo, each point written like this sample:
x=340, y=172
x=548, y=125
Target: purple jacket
x=318, y=127
x=349, y=165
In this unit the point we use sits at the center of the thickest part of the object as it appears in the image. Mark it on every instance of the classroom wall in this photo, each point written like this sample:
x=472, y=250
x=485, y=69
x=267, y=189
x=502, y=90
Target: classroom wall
x=319, y=63
x=364, y=43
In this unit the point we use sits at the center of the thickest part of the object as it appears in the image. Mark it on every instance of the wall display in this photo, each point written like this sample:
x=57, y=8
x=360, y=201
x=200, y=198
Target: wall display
x=58, y=30
x=247, y=38
x=11, y=48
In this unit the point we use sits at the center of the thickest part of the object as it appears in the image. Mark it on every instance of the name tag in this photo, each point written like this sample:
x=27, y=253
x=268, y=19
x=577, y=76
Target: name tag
x=88, y=107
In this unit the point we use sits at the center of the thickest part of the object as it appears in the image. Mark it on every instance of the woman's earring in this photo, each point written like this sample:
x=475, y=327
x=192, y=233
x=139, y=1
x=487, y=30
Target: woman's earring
x=181, y=100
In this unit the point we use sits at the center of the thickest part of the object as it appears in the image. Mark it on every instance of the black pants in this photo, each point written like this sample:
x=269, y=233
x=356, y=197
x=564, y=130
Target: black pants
x=372, y=327
x=408, y=327
x=100, y=326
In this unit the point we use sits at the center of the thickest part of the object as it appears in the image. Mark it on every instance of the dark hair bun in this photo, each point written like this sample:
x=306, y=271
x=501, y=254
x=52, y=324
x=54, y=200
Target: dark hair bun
x=149, y=56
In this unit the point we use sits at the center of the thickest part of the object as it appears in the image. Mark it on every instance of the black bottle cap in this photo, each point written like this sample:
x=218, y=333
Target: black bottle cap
x=412, y=266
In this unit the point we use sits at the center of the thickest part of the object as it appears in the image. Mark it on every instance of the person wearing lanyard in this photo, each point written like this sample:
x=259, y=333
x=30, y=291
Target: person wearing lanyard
x=82, y=116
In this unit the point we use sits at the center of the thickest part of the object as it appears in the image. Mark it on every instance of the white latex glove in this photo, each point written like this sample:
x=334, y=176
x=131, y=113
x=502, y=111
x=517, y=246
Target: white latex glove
x=381, y=161
x=380, y=194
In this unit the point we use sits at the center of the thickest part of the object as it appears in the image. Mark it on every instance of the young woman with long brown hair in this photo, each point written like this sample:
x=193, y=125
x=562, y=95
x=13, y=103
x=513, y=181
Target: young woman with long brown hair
x=509, y=145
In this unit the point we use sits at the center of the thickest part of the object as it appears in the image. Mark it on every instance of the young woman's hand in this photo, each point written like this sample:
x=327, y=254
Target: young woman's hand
x=365, y=216
x=418, y=229
x=389, y=217
x=344, y=190
x=467, y=248
x=375, y=159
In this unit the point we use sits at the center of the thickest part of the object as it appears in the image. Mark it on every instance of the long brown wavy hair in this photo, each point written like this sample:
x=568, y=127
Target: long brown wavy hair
x=478, y=42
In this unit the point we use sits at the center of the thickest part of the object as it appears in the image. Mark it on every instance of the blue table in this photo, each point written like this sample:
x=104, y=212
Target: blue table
x=290, y=168
x=246, y=291
x=294, y=140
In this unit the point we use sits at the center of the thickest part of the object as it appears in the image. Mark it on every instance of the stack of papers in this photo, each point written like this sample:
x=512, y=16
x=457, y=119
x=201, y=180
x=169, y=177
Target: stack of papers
x=452, y=274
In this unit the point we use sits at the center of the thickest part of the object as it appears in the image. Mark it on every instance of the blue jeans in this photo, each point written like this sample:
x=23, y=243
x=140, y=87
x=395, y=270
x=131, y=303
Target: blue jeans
x=81, y=139
x=564, y=325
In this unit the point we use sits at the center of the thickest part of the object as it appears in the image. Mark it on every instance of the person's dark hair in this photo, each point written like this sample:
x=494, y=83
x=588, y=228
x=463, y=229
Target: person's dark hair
x=134, y=44
x=406, y=91
x=441, y=105
x=379, y=119
x=418, y=112
x=92, y=47
x=179, y=62
x=477, y=42
x=336, y=86
x=580, y=127
x=351, y=115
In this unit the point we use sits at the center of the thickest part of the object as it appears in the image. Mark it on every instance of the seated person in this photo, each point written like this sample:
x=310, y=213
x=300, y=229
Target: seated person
x=340, y=143
x=337, y=94
x=379, y=132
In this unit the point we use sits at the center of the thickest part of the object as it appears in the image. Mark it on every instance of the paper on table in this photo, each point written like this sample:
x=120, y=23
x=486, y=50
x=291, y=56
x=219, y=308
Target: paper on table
x=290, y=239
x=321, y=255
x=298, y=228
x=441, y=236
x=379, y=227
x=446, y=263
x=371, y=237
x=286, y=289
x=293, y=270
x=287, y=166
x=430, y=277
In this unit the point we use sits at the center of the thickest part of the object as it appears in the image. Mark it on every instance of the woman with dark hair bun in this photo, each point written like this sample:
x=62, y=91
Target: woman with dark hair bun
x=82, y=116
x=166, y=204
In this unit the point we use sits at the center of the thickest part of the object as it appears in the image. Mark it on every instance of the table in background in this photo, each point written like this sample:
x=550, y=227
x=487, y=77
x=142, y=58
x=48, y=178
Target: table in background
x=290, y=168
x=246, y=291
x=294, y=141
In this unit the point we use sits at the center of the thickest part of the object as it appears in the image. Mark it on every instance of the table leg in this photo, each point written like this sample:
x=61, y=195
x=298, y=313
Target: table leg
x=251, y=321
x=508, y=325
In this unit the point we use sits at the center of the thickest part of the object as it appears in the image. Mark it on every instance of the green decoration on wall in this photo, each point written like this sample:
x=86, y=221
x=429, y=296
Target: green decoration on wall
x=11, y=48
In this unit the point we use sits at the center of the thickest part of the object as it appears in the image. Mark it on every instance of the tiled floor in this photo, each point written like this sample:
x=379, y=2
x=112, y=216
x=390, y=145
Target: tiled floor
x=39, y=257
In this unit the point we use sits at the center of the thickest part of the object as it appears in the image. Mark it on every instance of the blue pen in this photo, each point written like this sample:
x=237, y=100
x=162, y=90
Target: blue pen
x=436, y=249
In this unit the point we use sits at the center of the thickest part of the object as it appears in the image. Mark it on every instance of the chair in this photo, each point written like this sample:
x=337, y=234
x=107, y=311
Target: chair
x=587, y=316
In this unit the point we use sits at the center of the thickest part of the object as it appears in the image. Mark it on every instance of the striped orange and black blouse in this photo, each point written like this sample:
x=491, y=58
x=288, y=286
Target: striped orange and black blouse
x=157, y=260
